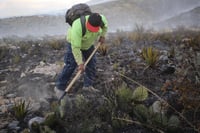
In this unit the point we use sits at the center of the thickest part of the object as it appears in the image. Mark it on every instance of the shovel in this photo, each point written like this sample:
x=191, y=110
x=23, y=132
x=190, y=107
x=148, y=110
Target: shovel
x=79, y=73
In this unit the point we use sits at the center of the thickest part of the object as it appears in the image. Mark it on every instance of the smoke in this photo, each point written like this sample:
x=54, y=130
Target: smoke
x=37, y=89
x=168, y=9
x=151, y=14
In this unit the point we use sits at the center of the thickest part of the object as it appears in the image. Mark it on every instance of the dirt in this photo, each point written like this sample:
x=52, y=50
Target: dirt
x=123, y=63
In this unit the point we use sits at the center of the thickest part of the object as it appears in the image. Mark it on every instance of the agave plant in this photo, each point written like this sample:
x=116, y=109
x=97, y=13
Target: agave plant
x=21, y=110
x=150, y=55
x=46, y=129
x=124, y=97
x=141, y=112
x=158, y=118
x=173, y=123
x=140, y=94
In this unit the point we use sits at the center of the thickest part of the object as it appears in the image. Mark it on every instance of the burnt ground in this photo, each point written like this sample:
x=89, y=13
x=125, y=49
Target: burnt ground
x=174, y=78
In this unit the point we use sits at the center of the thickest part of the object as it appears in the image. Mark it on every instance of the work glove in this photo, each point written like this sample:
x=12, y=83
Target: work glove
x=81, y=67
x=101, y=39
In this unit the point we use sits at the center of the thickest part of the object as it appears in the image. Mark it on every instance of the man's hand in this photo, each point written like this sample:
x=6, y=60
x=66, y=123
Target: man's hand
x=81, y=68
x=102, y=39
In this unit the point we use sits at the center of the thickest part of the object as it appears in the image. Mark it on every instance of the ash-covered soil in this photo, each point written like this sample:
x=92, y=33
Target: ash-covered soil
x=29, y=69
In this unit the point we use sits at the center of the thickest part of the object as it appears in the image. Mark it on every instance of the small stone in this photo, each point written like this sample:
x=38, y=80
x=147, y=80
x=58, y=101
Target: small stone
x=22, y=75
x=42, y=63
x=37, y=119
x=11, y=95
x=14, y=125
x=198, y=59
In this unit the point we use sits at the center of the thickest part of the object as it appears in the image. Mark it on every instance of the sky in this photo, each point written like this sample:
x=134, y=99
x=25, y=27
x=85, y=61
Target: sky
x=10, y=8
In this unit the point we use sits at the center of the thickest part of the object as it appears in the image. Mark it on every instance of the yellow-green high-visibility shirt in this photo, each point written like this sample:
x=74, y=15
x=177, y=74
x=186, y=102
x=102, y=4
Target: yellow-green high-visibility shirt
x=79, y=42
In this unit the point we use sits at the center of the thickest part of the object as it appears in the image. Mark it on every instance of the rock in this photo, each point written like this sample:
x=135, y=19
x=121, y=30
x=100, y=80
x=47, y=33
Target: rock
x=11, y=95
x=159, y=107
x=138, y=60
x=3, y=101
x=14, y=125
x=37, y=120
x=42, y=63
x=9, y=106
x=5, y=108
x=198, y=59
x=3, y=82
x=3, y=90
x=22, y=75
x=163, y=58
x=47, y=69
x=168, y=70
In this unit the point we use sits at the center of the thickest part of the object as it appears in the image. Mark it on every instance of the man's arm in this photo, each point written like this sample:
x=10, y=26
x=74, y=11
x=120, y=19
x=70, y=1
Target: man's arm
x=76, y=41
x=105, y=27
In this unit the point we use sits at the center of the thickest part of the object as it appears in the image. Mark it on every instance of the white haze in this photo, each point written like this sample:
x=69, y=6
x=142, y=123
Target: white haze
x=12, y=8
x=148, y=13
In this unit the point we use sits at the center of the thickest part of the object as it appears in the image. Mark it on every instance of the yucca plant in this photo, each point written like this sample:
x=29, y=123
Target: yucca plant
x=16, y=59
x=103, y=49
x=21, y=110
x=150, y=55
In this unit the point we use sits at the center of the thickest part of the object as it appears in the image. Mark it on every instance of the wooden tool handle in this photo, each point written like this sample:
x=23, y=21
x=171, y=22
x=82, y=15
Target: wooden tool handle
x=79, y=72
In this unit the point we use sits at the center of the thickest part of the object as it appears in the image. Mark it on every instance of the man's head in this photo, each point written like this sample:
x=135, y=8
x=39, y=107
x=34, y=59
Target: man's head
x=94, y=22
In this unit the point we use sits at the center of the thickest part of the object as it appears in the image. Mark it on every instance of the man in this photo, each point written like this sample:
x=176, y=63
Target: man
x=79, y=48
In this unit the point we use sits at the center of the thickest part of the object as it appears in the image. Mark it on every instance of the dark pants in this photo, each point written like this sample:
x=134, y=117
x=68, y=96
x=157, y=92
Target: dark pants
x=70, y=65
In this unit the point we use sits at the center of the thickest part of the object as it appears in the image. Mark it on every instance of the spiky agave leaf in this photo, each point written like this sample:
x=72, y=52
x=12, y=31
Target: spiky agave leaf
x=173, y=123
x=124, y=98
x=121, y=121
x=140, y=94
x=90, y=125
x=144, y=53
x=46, y=129
x=141, y=112
x=26, y=130
x=50, y=119
x=159, y=120
x=80, y=102
x=150, y=55
x=21, y=110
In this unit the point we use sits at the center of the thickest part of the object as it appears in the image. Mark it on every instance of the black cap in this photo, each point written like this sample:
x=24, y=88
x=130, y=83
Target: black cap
x=95, y=19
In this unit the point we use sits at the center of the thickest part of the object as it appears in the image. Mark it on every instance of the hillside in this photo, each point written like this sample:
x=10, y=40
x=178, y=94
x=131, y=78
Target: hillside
x=122, y=15
x=189, y=18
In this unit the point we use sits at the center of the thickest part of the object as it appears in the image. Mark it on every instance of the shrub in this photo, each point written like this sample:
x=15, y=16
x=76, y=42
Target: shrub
x=3, y=52
x=16, y=59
